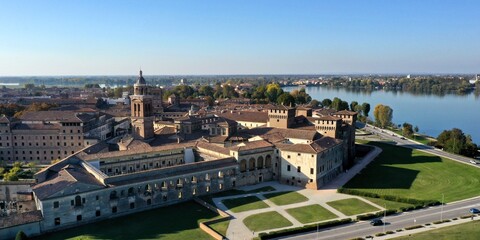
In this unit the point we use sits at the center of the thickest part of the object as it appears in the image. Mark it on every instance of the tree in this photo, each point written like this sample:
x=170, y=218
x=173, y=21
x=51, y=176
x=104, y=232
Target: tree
x=383, y=115
x=358, y=109
x=407, y=130
x=206, y=91
x=209, y=101
x=286, y=99
x=353, y=105
x=273, y=92
x=338, y=104
x=416, y=129
x=366, y=109
x=314, y=103
x=455, y=141
x=326, y=103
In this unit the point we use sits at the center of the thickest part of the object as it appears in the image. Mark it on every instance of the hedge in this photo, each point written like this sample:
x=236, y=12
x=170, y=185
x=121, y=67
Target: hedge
x=416, y=202
x=369, y=216
x=440, y=222
x=414, y=227
x=305, y=228
x=379, y=234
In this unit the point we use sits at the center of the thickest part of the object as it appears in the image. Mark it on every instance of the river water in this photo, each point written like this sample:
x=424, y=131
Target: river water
x=431, y=113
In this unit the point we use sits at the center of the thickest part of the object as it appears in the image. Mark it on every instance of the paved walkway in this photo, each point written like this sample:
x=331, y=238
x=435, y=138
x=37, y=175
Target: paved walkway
x=328, y=193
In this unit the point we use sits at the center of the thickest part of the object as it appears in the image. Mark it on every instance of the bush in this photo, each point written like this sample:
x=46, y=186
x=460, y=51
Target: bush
x=21, y=236
x=414, y=227
x=305, y=228
x=454, y=219
x=369, y=216
x=440, y=222
x=399, y=230
x=466, y=216
x=379, y=234
x=358, y=238
x=390, y=232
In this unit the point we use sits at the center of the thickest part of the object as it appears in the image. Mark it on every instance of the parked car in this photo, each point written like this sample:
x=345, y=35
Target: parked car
x=474, y=210
x=376, y=222
x=473, y=162
x=403, y=138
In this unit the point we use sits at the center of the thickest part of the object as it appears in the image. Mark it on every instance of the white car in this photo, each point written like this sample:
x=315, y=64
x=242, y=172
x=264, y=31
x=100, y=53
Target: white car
x=473, y=162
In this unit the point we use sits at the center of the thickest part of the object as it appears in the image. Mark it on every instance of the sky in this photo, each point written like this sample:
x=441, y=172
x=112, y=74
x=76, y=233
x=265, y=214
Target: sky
x=238, y=37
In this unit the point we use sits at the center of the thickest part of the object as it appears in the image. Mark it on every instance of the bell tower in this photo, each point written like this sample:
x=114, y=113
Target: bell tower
x=141, y=110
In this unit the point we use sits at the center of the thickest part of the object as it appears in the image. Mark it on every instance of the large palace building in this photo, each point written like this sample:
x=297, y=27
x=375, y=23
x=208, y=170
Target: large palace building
x=193, y=155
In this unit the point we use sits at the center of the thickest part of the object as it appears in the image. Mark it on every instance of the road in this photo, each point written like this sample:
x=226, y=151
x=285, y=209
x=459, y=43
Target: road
x=394, y=222
x=414, y=145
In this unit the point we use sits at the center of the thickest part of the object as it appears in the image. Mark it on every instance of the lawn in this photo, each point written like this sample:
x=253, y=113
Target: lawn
x=352, y=206
x=285, y=198
x=233, y=192
x=311, y=213
x=414, y=174
x=178, y=221
x=265, y=221
x=464, y=231
x=220, y=227
x=243, y=204
x=390, y=204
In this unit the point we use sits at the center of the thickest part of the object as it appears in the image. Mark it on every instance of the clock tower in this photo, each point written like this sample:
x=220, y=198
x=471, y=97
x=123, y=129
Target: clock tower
x=141, y=110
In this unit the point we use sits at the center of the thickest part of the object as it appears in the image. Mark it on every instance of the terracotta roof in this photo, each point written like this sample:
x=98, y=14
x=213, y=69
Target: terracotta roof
x=36, y=126
x=329, y=118
x=4, y=119
x=280, y=107
x=246, y=116
x=345, y=112
x=285, y=132
x=315, y=147
x=60, y=116
x=213, y=147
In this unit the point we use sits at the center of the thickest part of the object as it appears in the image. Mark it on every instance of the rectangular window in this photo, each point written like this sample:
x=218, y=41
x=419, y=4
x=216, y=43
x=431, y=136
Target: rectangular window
x=79, y=217
x=97, y=213
x=311, y=170
x=114, y=209
x=57, y=221
x=288, y=168
x=55, y=204
x=299, y=169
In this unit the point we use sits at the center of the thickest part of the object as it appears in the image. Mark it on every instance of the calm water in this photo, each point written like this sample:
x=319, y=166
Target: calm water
x=432, y=114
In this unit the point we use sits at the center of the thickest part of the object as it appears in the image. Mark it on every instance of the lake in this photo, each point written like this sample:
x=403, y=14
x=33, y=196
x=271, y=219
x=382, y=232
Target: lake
x=431, y=113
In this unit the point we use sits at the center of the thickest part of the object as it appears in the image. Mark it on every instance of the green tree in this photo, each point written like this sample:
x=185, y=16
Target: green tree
x=383, y=115
x=353, y=105
x=286, y=99
x=407, y=130
x=273, y=92
x=366, y=109
x=416, y=129
x=455, y=141
x=21, y=236
x=314, y=103
x=206, y=91
x=326, y=103
x=209, y=101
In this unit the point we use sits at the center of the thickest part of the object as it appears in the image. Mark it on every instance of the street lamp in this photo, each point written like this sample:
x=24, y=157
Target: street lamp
x=441, y=213
x=385, y=217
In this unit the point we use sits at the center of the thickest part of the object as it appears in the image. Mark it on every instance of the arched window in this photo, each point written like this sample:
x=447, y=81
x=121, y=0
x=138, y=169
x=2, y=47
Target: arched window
x=78, y=201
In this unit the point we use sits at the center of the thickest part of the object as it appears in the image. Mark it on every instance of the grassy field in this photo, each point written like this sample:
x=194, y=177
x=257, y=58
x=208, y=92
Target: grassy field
x=311, y=213
x=285, y=198
x=243, y=204
x=411, y=173
x=352, y=206
x=390, y=204
x=464, y=231
x=221, y=227
x=265, y=221
x=173, y=222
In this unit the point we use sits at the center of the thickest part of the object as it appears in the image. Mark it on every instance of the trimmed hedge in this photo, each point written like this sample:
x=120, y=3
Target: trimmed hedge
x=440, y=222
x=380, y=234
x=416, y=202
x=369, y=216
x=414, y=227
x=305, y=228
x=389, y=232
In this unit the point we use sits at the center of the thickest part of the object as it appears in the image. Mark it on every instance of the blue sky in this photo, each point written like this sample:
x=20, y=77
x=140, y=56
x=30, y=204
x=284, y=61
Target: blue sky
x=238, y=37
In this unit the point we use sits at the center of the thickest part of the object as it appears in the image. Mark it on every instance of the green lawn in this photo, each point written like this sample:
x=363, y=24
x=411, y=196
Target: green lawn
x=265, y=221
x=179, y=221
x=411, y=173
x=390, y=204
x=221, y=227
x=352, y=206
x=285, y=198
x=311, y=213
x=242, y=204
x=464, y=231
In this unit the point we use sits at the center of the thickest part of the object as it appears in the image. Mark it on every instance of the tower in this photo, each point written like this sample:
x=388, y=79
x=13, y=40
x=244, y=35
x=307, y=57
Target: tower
x=141, y=110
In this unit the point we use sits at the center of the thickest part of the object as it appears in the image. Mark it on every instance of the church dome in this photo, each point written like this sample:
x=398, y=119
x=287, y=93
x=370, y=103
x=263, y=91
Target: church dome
x=140, y=79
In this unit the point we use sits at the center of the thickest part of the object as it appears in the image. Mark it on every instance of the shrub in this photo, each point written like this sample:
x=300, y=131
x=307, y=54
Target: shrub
x=21, y=236
x=414, y=227
x=390, y=232
x=454, y=219
x=305, y=228
x=399, y=230
x=466, y=216
x=379, y=234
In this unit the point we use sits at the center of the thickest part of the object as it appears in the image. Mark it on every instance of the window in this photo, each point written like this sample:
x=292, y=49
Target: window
x=288, y=168
x=132, y=205
x=79, y=217
x=298, y=154
x=98, y=213
x=114, y=209
x=57, y=221
x=55, y=204
x=96, y=197
x=299, y=169
x=311, y=170
x=288, y=156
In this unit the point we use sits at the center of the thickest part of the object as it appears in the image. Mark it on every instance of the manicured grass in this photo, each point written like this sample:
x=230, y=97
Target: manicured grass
x=265, y=221
x=464, y=231
x=390, y=204
x=173, y=222
x=408, y=173
x=285, y=198
x=352, y=206
x=242, y=204
x=311, y=213
x=221, y=227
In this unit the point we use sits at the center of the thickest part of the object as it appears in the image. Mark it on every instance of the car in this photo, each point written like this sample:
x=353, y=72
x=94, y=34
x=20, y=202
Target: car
x=376, y=222
x=403, y=138
x=473, y=162
x=474, y=210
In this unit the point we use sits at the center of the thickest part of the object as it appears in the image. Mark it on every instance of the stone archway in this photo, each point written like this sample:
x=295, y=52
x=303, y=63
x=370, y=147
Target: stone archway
x=243, y=165
x=268, y=161
x=260, y=162
x=251, y=164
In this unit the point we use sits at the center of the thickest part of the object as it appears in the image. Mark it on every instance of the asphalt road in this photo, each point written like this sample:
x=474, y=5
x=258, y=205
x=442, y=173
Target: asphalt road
x=402, y=220
x=394, y=222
